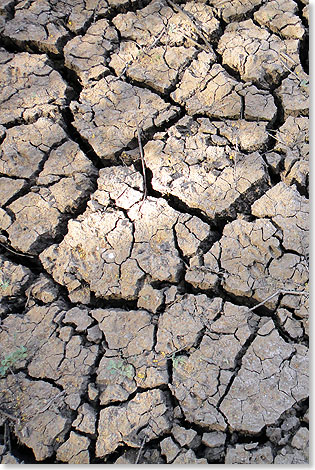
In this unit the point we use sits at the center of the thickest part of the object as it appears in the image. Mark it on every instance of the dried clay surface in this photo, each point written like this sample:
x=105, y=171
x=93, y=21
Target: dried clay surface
x=154, y=221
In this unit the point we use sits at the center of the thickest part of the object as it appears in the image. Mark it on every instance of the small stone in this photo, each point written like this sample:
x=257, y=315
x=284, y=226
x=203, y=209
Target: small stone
x=170, y=294
x=92, y=392
x=9, y=459
x=183, y=436
x=178, y=414
x=94, y=334
x=86, y=419
x=65, y=333
x=252, y=445
x=301, y=439
x=213, y=439
x=169, y=449
x=79, y=317
x=73, y=401
x=150, y=299
x=306, y=417
x=188, y=457
x=43, y=289
x=74, y=450
x=241, y=455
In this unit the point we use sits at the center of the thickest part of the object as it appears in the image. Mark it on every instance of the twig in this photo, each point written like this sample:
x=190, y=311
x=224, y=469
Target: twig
x=279, y=291
x=143, y=163
x=15, y=252
x=187, y=16
x=174, y=302
x=140, y=450
x=175, y=352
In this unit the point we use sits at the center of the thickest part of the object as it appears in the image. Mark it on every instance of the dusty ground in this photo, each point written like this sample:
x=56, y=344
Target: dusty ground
x=154, y=309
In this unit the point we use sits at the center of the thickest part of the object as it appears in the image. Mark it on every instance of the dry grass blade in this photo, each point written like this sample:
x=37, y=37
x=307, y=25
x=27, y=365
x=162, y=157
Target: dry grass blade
x=143, y=50
x=15, y=252
x=195, y=42
x=285, y=56
x=235, y=162
x=140, y=450
x=277, y=138
x=156, y=40
x=142, y=162
x=279, y=291
x=291, y=71
x=191, y=21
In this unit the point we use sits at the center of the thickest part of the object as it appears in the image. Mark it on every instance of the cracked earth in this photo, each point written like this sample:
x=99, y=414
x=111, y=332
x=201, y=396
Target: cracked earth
x=154, y=231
